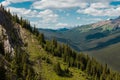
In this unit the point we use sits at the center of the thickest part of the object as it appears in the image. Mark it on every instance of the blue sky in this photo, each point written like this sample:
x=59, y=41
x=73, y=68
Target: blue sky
x=56, y=14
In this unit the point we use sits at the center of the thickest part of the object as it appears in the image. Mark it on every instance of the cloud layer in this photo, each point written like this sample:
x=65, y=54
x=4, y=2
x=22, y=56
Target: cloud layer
x=101, y=9
x=63, y=13
x=58, y=4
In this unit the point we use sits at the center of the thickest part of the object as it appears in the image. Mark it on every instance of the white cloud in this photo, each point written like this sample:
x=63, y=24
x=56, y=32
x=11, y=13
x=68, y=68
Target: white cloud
x=95, y=1
x=48, y=16
x=101, y=8
x=91, y=11
x=5, y=3
x=17, y=10
x=18, y=1
x=90, y=20
x=23, y=12
x=62, y=4
x=93, y=20
x=104, y=10
x=8, y=2
x=58, y=4
x=91, y=7
x=100, y=5
x=61, y=25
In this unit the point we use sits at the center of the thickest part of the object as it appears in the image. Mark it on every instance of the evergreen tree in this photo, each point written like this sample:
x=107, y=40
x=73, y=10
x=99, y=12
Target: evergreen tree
x=2, y=73
x=58, y=69
x=1, y=48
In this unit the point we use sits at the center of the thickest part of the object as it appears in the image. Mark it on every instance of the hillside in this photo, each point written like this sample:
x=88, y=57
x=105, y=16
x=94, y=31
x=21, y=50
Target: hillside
x=111, y=55
x=95, y=39
x=18, y=40
x=26, y=55
x=81, y=38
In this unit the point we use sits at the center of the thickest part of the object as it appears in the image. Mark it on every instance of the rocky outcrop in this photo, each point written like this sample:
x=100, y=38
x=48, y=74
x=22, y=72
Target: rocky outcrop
x=11, y=33
x=4, y=38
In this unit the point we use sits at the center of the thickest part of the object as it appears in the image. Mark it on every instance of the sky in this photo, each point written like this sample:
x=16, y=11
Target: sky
x=54, y=14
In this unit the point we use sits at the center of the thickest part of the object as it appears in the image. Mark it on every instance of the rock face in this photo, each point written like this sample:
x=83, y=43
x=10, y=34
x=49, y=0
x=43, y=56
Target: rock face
x=112, y=23
x=11, y=33
x=12, y=39
x=4, y=38
x=9, y=43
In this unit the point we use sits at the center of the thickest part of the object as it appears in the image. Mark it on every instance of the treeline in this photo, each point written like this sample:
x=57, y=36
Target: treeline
x=21, y=67
x=79, y=60
x=1, y=48
x=62, y=72
x=17, y=68
x=25, y=24
x=15, y=19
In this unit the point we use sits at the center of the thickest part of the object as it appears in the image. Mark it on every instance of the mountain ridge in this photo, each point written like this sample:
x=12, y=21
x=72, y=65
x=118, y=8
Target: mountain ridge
x=92, y=38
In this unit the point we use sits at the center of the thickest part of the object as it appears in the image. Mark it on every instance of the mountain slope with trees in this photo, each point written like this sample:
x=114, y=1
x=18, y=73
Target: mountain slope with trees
x=26, y=55
x=88, y=37
x=100, y=40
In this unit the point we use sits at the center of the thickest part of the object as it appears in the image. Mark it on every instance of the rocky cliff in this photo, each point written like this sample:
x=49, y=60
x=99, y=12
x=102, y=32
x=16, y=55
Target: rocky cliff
x=11, y=33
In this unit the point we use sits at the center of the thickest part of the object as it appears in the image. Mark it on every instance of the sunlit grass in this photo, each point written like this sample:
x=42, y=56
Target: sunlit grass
x=46, y=69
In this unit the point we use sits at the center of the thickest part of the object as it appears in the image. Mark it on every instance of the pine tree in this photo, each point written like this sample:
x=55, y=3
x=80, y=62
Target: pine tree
x=58, y=69
x=2, y=73
x=1, y=48
x=41, y=39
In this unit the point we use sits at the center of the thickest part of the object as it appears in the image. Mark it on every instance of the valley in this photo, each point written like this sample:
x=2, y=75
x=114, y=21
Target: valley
x=100, y=40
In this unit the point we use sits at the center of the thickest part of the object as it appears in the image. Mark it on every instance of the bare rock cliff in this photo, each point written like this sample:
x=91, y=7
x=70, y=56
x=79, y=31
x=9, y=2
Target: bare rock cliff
x=11, y=33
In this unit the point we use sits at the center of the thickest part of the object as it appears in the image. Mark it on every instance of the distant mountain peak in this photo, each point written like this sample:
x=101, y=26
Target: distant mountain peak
x=101, y=23
x=110, y=24
x=55, y=30
x=62, y=29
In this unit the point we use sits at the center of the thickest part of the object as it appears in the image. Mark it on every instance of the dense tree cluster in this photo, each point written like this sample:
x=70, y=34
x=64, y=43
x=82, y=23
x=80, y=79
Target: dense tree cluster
x=2, y=68
x=24, y=23
x=19, y=67
x=15, y=19
x=80, y=61
x=62, y=72
x=2, y=73
x=1, y=48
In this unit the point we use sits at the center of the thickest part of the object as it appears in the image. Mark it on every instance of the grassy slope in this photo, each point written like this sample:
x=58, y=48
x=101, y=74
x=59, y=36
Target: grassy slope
x=109, y=55
x=46, y=69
